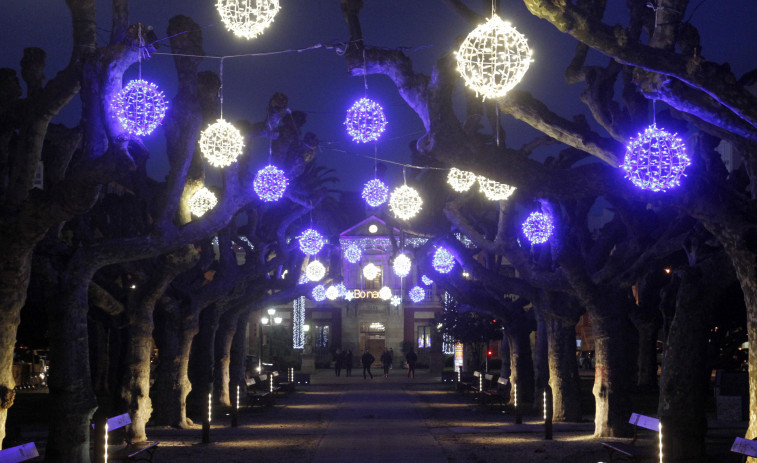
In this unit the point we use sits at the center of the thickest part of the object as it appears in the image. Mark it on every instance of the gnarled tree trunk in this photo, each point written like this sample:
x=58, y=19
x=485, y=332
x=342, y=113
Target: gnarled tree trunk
x=517, y=334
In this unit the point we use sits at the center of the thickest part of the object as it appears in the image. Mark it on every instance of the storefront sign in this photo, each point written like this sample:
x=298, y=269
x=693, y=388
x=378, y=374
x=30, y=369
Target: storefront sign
x=458, y=355
x=364, y=294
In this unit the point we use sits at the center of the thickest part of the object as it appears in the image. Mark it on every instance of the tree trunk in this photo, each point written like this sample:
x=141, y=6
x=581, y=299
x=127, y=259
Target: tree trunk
x=646, y=360
x=135, y=387
x=541, y=356
x=521, y=363
x=201, y=361
x=563, y=368
x=238, y=367
x=223, y=342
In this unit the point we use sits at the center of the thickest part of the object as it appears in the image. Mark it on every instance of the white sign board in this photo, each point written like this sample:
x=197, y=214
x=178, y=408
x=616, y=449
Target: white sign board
x=744, y=447
x=644, y=421
x=20, y=453
x=118, y=421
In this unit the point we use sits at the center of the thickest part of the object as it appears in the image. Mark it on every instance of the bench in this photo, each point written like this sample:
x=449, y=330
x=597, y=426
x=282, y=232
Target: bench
x=138, y=451
x=745, y=447
x=469, y=383
x=256, y=395
x=499, y=395
x=282, y=386
x=20, y=453
x=630, y=451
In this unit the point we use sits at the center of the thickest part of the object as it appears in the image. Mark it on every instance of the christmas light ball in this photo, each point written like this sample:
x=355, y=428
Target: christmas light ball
x=332, y=292
x=311, y=242
x=353, y=253
x=655, y=160
x=395, y=301
x=342, y=289
x=370, y=271
x=427, y=281
x=495, y=191
x=385, y=293
x=417, y=294
x=375, y=192
x=270, y=183
x=319, y=293
x=315, y=271
x=493, y=58
x=460, y=180
x=443, y=261
x=538, y=227
x=221, y=143
x=247, y=18
x=140, y=107
x=402, y=265
x=405, y=202
x=365, y=121
x=202, y=201
x=303, y=279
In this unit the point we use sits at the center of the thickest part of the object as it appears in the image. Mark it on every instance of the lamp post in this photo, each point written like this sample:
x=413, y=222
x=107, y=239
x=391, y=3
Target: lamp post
x=270, y=320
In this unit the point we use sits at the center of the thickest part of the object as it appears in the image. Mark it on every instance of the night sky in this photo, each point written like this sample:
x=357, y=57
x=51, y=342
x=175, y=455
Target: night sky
x=317, y=81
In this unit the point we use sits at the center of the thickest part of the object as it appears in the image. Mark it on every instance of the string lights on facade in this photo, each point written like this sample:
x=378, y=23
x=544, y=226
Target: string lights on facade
x=298, y=322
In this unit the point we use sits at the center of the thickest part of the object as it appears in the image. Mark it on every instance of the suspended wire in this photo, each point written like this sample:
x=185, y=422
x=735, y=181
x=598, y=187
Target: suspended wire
x=387, y=161
x=220, y=89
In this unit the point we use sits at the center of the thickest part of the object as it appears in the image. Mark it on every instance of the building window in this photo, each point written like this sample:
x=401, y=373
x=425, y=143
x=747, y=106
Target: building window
x=424, y=337
x=321, y=336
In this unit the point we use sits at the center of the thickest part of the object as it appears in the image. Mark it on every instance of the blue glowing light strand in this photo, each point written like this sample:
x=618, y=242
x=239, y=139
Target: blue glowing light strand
x=270, y=183
x=140, y=107
x=319, y=293
x=443, y=261
x=655, y=160
x=365, y=121
x=417, y=294
x=353, y=253
x=427, y=281
x=375, y=192
x=538, y=227
x=311, y=242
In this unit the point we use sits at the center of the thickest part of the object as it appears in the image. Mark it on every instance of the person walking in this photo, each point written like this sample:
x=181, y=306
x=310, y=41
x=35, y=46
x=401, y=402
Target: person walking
x=348, y=362
x=411, y=358
x=338, y=360
x=367, y=359
x=386, y=362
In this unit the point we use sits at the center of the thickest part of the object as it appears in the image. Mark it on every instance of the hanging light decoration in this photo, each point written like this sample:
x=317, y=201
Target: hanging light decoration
x=538, y=227
x=385, y=293
x=349, y=296
x=417, y=294
x=493, y=58
x=247, y=18
x=370, y=271
x=443, y=261
x=140, y=107
x=427, y=281
x=395, y=301
x=405, y=202
x=342, y=289
x=270, y=183
x=221, y=143
x=365, y=121
x=311, y=242
x=202, y=201
x=655, y=160
x=353, y=253
x=319, y=293
x=402, y=265
x=460, y=180
x=332, y=292
x=315, y=271
x=375, y=192
x=495, y=191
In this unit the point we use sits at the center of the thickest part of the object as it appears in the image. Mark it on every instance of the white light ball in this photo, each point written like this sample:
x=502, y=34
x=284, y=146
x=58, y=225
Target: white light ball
x=460, y=180
x=495, y=191
x=247, y=18
x=370, y=271
x=202, y=201
x=332, y=292
x=405, y=202
x=385, y=293
x=402, y=265
x=315, y=271
x=493, y=58
x=221, y=144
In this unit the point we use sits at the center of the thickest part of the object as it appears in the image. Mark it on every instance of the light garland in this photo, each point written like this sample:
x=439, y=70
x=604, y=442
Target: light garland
x=655, y=160
x=270, y=183
x=298, y=322
x=332, y=292
x=319, y=293
x=381, y=243
x=311, y=242
x=395, y=301
x=495, y=191
x=353, y=253
x=443, y=261
x=140, y=107
x=405, y=202
x=221, y=144
x=493, y=58
x=402, y=265
x=385, y=293
x=202, y=201
x=460, y=180
x=538, y=227
x=247, y=18
x=370, y=271
x=375, y=192
x=417, y=294
x=427, y=281
x=315, y=271
x=365, y=121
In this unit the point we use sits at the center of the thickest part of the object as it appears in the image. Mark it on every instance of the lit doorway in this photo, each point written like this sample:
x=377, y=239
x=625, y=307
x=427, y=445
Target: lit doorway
x=373, y=338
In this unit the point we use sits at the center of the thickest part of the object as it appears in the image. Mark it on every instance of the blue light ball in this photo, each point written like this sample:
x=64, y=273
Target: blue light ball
x=311, y=242
x=538, y=227
x=417, y=294
x=365, y=121
x=375, y=192
x=270, y=183
x=140, y=107
x=443, y=261
x=319, y=293
x=353, y=253
x=655, y=160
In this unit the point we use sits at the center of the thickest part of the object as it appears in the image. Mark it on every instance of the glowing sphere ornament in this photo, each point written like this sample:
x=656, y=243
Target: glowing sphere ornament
x=443, y=261
x=427, y=281
x=202, y=201
x=140, y=107
x=332, y=292
x=353, y=253
x=370, y=271
x=315, y=271
x=395, y=301
x=495, y=191
x=538, y=227
x=460, y=180
x=311, y=242
x=319, y=293
x=417, y=294
x=221, y=144
x=655, y=160
x=493, y=58
x=365, y=121
x=402, y=265
x=405, y=202
x=247, y=18
x=375, y=192
x=385, y=293
x=270, y=183
x=342, y=289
